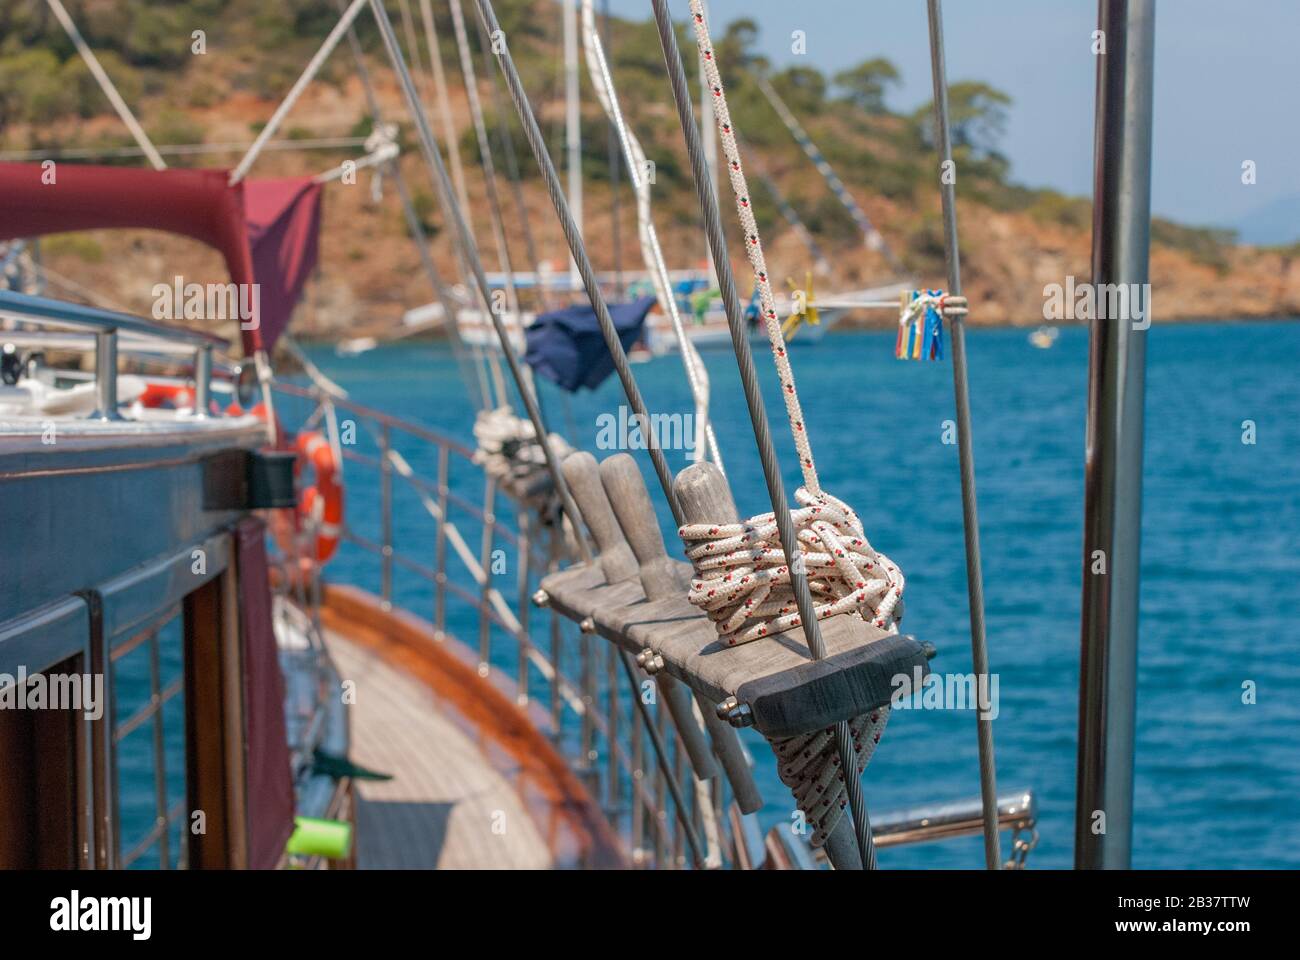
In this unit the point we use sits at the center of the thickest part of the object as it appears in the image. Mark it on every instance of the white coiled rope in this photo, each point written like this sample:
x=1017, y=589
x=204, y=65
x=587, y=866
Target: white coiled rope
x=697, y=377
x=742, y=580
x=509, y=453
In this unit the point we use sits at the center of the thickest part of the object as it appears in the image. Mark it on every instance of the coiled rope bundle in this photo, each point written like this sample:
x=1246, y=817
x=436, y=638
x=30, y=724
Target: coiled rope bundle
x=509, y=452
x=742, y=579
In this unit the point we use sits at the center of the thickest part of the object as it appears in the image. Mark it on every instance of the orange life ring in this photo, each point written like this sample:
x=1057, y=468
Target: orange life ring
x=322, y=503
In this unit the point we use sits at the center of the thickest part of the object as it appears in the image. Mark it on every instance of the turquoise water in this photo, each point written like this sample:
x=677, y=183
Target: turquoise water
x=1217, y=779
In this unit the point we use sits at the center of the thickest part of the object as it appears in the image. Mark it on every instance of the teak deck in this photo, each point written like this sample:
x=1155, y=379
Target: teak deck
x=465, y=757
x=446, y=806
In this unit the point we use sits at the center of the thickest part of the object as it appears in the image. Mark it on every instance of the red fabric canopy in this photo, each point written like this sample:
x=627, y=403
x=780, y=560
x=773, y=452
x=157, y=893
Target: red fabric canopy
x=267, y=230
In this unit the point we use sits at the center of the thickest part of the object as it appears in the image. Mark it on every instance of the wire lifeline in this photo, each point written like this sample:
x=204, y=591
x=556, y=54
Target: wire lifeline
x=807, y=615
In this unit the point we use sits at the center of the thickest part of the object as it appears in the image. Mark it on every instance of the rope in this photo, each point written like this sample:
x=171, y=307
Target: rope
x=509, y=453
x=742, y=578
x=697, y=376
x=840, y=744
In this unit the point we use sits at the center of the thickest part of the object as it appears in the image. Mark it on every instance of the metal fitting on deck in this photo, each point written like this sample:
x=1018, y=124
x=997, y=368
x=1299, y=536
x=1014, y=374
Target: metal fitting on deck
x=542, y=599
x=735, y=713
x=649, y=661
x=587, y=625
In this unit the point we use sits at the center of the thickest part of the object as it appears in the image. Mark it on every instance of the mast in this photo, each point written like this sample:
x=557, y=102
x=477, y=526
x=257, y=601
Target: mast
x=1121, y=228
x=572, y=125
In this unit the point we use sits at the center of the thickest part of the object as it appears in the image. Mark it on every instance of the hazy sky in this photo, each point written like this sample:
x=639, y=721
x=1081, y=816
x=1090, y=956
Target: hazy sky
x=1226, y=88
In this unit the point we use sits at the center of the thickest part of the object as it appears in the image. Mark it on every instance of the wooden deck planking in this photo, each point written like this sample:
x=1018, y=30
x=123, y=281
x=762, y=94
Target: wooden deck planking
x=441, y=808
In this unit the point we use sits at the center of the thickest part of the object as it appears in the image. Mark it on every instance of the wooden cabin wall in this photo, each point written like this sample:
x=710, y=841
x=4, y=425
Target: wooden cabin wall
x=39, y=823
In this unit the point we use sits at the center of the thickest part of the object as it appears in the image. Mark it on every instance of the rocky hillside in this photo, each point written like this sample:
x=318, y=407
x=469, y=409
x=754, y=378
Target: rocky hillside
x=1015, y=241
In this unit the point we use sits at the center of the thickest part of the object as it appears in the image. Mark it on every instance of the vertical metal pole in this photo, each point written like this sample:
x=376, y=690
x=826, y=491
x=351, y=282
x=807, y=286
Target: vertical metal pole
x=106, y=376
x=587, y=675
x=612, y=729
x=1112, y=520
x=525, y=605
x=965, y=449
x=386, y=519
x=440, y=547
x=202, y=380
x=485, y=561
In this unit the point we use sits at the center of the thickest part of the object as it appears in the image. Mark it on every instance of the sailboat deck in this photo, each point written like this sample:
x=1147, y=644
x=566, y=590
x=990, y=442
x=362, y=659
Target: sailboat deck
x=446, y=806
x=477, y=783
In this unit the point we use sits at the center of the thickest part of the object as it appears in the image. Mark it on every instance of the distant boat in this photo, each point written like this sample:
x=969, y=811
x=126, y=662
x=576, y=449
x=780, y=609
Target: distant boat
x=355, y=346
x=1044, y=337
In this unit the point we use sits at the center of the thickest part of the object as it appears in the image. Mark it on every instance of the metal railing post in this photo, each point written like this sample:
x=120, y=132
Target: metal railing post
x=159, y=753
x=202, y=380
x=106, y=376
x=440, y=543
x=525, y=602
x=485, y=561
x=386, y=517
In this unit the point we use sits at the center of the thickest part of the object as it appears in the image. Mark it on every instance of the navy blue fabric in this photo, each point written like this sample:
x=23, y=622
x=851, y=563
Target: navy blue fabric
x=567, y=348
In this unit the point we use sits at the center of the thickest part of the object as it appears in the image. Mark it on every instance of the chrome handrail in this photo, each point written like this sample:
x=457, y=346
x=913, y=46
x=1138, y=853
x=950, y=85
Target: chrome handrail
x=106, y=326
x=1017, y=810
x=22, y=306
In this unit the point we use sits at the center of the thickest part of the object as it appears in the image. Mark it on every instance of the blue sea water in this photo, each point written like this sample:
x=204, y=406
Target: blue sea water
x=1217, y=779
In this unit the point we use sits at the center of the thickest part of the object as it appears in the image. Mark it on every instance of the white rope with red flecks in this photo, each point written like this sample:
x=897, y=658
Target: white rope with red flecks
x=742, y=579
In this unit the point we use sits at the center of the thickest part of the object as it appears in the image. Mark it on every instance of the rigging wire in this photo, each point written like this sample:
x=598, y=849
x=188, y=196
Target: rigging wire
x=512, y=161
x=485, y=157
x=472, y=369
x=872, y=237
x=651, y=251
x=843, y=735
x=578, y=251
x=429, y=147
x=965, y=443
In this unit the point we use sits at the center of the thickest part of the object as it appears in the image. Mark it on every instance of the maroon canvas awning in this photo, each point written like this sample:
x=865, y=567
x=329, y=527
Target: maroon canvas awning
x=268, y=776
x=266, y=230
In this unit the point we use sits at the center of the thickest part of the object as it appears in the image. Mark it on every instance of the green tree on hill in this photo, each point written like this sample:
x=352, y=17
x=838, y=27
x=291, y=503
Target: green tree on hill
x=864, y=86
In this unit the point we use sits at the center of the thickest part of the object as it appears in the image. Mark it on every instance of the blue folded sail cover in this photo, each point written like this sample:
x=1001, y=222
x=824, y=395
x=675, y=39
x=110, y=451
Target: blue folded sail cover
x=567, y=348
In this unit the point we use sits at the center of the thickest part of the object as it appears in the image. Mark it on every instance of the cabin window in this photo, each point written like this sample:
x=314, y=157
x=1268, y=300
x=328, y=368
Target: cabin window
x=148, y=684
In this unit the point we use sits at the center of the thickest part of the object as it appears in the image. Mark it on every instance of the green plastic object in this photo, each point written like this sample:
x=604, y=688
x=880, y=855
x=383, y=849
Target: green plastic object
x=320, y=838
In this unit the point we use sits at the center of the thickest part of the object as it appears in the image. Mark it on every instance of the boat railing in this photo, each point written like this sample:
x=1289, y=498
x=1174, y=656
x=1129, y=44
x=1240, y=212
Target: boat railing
x=107, y=332
x=431, y=531
x=447, y=540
